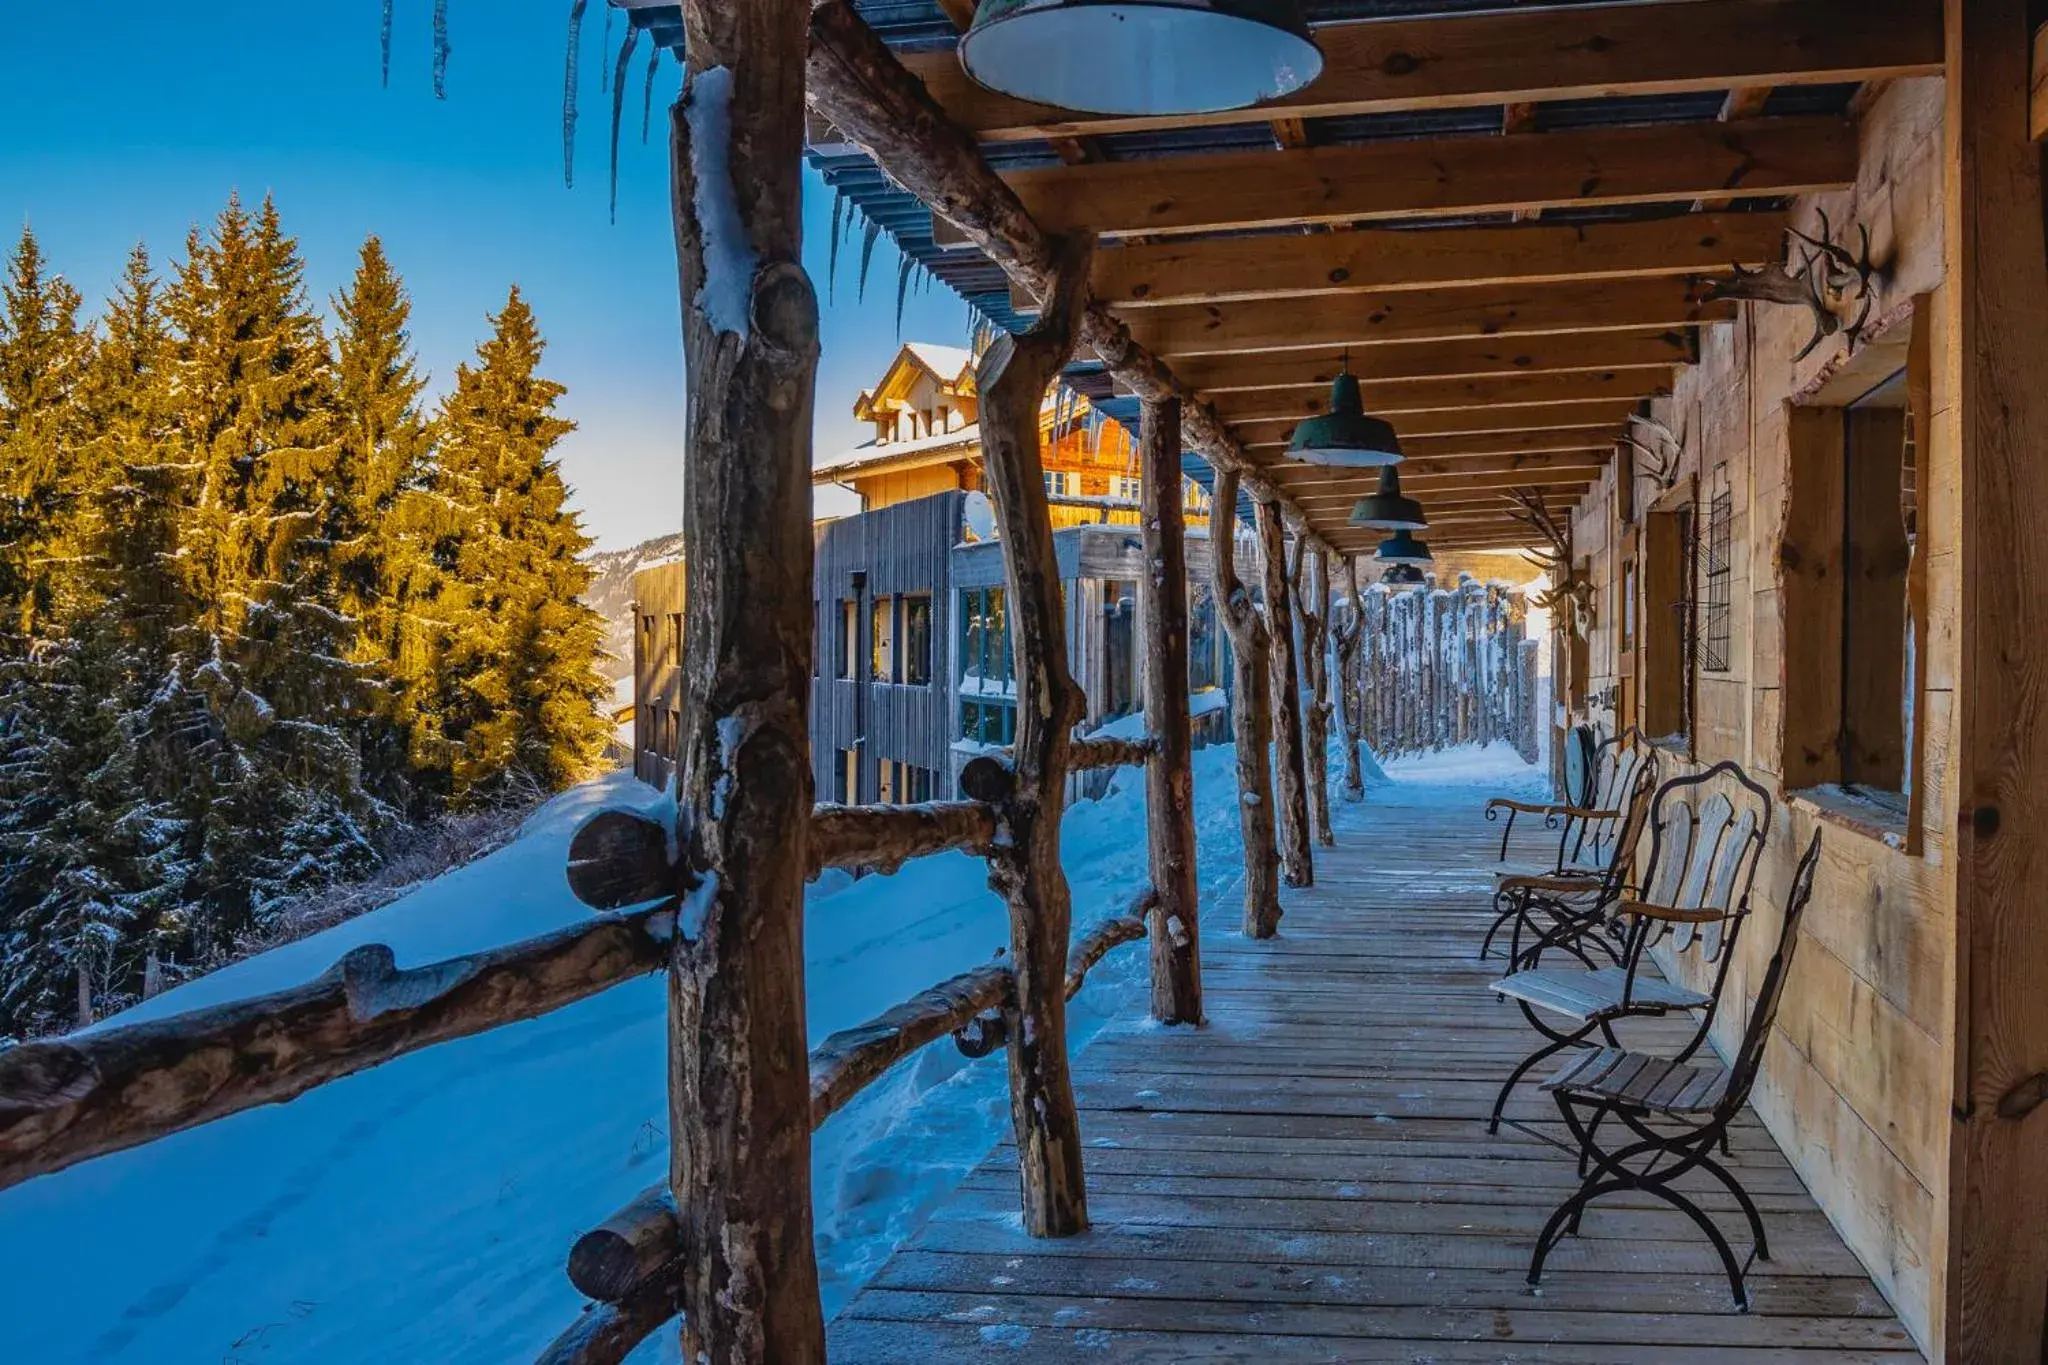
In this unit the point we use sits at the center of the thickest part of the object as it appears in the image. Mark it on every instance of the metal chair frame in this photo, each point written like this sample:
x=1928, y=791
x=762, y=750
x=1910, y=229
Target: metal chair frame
x=1572, y=914
x=1616, y=1169
x=1667, y=884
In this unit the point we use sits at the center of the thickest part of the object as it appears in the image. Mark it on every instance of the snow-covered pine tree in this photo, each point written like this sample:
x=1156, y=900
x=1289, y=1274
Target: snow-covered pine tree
x=521, y=688
x=43, y=357
x=389, y=518
x=273, y=783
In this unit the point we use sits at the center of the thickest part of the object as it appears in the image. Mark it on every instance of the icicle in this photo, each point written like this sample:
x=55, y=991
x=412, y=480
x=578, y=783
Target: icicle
x=618, y=106
x=903, y=268
x=832, y=250
x=384, y=37
x=576, y=8
x=441, y=49
x=647, y=95
x=604, y=85
x=868, y=234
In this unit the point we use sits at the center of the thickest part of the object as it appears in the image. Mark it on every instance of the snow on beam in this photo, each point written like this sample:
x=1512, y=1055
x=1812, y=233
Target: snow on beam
x=886, y=837
x=67, y=1100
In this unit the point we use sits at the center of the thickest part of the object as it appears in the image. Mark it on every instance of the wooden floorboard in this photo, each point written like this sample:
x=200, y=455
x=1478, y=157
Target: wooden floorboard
x=1309, y=1176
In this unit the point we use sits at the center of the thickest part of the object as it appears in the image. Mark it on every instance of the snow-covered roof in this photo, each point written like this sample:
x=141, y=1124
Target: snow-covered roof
x=871, y=452
x=947, y=362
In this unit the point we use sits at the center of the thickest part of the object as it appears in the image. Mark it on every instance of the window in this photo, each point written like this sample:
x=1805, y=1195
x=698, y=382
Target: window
x=945, y=422
x=1851, y=527
x=1129, y=489
x=916, y=784
x=849, y=636
x=652, y=730
x=882, y=640
x=675, y=735
x=1061, y=483
x=1666, y=623
x=988, y=692
x=915, y=648
x=1204, y=639
x=849, y=776
x=675, y=637
x=1716, y=573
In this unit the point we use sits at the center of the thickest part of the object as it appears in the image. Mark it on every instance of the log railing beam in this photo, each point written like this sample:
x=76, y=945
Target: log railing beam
x=1169, y=780
x=885, y=837
x=739, y=1090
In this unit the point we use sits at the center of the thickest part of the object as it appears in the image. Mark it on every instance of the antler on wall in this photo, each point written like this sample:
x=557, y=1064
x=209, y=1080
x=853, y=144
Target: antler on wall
x=1659, y=462
x=1569, y=598
x=1829, y=282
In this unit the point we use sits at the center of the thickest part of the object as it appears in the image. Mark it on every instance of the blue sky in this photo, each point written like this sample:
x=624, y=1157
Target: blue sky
x=134, y=123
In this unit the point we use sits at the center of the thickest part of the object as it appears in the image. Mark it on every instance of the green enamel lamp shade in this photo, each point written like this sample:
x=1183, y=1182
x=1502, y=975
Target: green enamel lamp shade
x=1345, y=435
x=1141, y=56
x=1387, y=510
x=1403, y=548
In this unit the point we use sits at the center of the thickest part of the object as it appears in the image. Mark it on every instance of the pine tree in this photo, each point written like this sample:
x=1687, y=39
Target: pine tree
x=387, y=517
x=522, y=689
x=43, y=357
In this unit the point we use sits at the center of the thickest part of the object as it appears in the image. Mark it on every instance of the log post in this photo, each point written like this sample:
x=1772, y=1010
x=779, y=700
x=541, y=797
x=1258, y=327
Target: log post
x=1013, y=378
x=1310, y=582
x=1348, y=631
x=1297, y=861
x=1169, y=777
x=1253, y=718
x=739, y=1078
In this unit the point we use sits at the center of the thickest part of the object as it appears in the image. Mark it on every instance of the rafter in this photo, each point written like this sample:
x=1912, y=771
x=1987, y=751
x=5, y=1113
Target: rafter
x=1219, y=270
x=1672, y=163
x=1329, y=322
x=1397, y=397
x=1463, y=357
x=1605, y=415
x=1574, y=52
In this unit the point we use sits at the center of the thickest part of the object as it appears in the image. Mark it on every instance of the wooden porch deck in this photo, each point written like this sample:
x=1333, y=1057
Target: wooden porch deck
x=1309, y=1178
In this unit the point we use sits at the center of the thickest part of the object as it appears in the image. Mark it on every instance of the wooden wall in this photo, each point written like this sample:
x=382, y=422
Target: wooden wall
x=657, y=670
x=1858, y=1071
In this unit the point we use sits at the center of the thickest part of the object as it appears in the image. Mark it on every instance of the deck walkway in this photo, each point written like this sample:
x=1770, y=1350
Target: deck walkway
x=1309, y=1178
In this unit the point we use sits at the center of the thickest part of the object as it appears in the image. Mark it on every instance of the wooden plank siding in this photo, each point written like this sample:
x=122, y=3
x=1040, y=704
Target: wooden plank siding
x=1859, y=1071
x=1308, y=1177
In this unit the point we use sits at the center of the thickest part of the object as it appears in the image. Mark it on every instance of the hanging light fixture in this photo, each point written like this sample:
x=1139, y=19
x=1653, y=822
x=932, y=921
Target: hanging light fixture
x=1141, y=56
x=1388, y=510
x=1402, y=576
x=1403, y=548
x=1346, y=435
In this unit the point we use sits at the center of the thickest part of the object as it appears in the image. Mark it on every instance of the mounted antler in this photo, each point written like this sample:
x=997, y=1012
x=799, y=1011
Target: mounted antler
x=1659, y=463
x=1567, y=589
x=1828, y=281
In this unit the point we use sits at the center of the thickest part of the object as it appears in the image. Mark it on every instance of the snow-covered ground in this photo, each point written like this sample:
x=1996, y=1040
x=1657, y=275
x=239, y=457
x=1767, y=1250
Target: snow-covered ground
x=422, y=1211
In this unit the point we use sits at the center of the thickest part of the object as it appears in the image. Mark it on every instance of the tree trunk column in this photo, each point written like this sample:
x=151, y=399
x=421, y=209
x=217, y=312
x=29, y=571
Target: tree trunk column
x=1252, y=718
x=1013, y=377
x=1297, y=862
x=1312, y=599
x=739, y=1077
x=1350, y=630
x=1169, y=778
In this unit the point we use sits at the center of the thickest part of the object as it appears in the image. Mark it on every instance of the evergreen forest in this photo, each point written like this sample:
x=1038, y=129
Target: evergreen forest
x=264, y=607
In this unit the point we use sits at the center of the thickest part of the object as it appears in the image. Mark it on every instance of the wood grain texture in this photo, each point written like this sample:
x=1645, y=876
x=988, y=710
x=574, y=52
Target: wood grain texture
x=1252, y=718
x=1465, y=358
x=1997, y=327
x=1516, y=57
x=739, y=1092
x=1290, y=757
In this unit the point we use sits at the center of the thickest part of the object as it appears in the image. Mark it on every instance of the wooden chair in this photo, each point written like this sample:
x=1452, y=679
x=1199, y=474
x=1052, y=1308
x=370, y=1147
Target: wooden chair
x=1568, y=910
x=1704, y=850
x=1693, y=1106
x=1591, y=839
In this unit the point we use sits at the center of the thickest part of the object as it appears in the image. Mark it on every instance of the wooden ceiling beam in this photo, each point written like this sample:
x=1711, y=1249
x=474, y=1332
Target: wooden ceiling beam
x=1226, y=269
x=1395, y=398
x=1332, y=321
x=1465, y=357
x=1517, y=56
x=1433, y=472
x=1593, y=414
x=1673, y=163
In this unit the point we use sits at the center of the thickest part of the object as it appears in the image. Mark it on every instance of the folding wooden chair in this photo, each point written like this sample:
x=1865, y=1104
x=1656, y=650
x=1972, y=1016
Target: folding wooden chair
x=1704, y=850
x=1691, y=1107
x=1569, y=910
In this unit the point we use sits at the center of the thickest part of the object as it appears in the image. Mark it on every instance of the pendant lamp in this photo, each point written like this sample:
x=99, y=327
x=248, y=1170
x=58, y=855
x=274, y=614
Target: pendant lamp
x=1388, y=510
x=1345, y=435
x=1403, y=548
x=1402, y=576
x=1141, y=56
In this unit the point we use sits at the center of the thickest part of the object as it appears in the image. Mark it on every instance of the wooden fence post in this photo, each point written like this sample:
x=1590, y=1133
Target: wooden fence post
x=1013, y=377
x=1253, y=718
x=1349, y=629
x=1311, y=584
x=739, y=1077
x=1169, y=777
x=1297, y=861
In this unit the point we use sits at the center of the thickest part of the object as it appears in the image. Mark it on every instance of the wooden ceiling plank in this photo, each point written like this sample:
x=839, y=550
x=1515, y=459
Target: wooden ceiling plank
x=1599, y=412
x=1226, y=269
x=1463, y=358
x=1438, y=177
x=1393, y=399
x=1530, y=55
x=1514, y=443
x=1334, y=321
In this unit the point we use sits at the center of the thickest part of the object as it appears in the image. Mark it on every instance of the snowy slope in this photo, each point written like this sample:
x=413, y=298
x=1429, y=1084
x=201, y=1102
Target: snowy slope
x=421, y=1212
